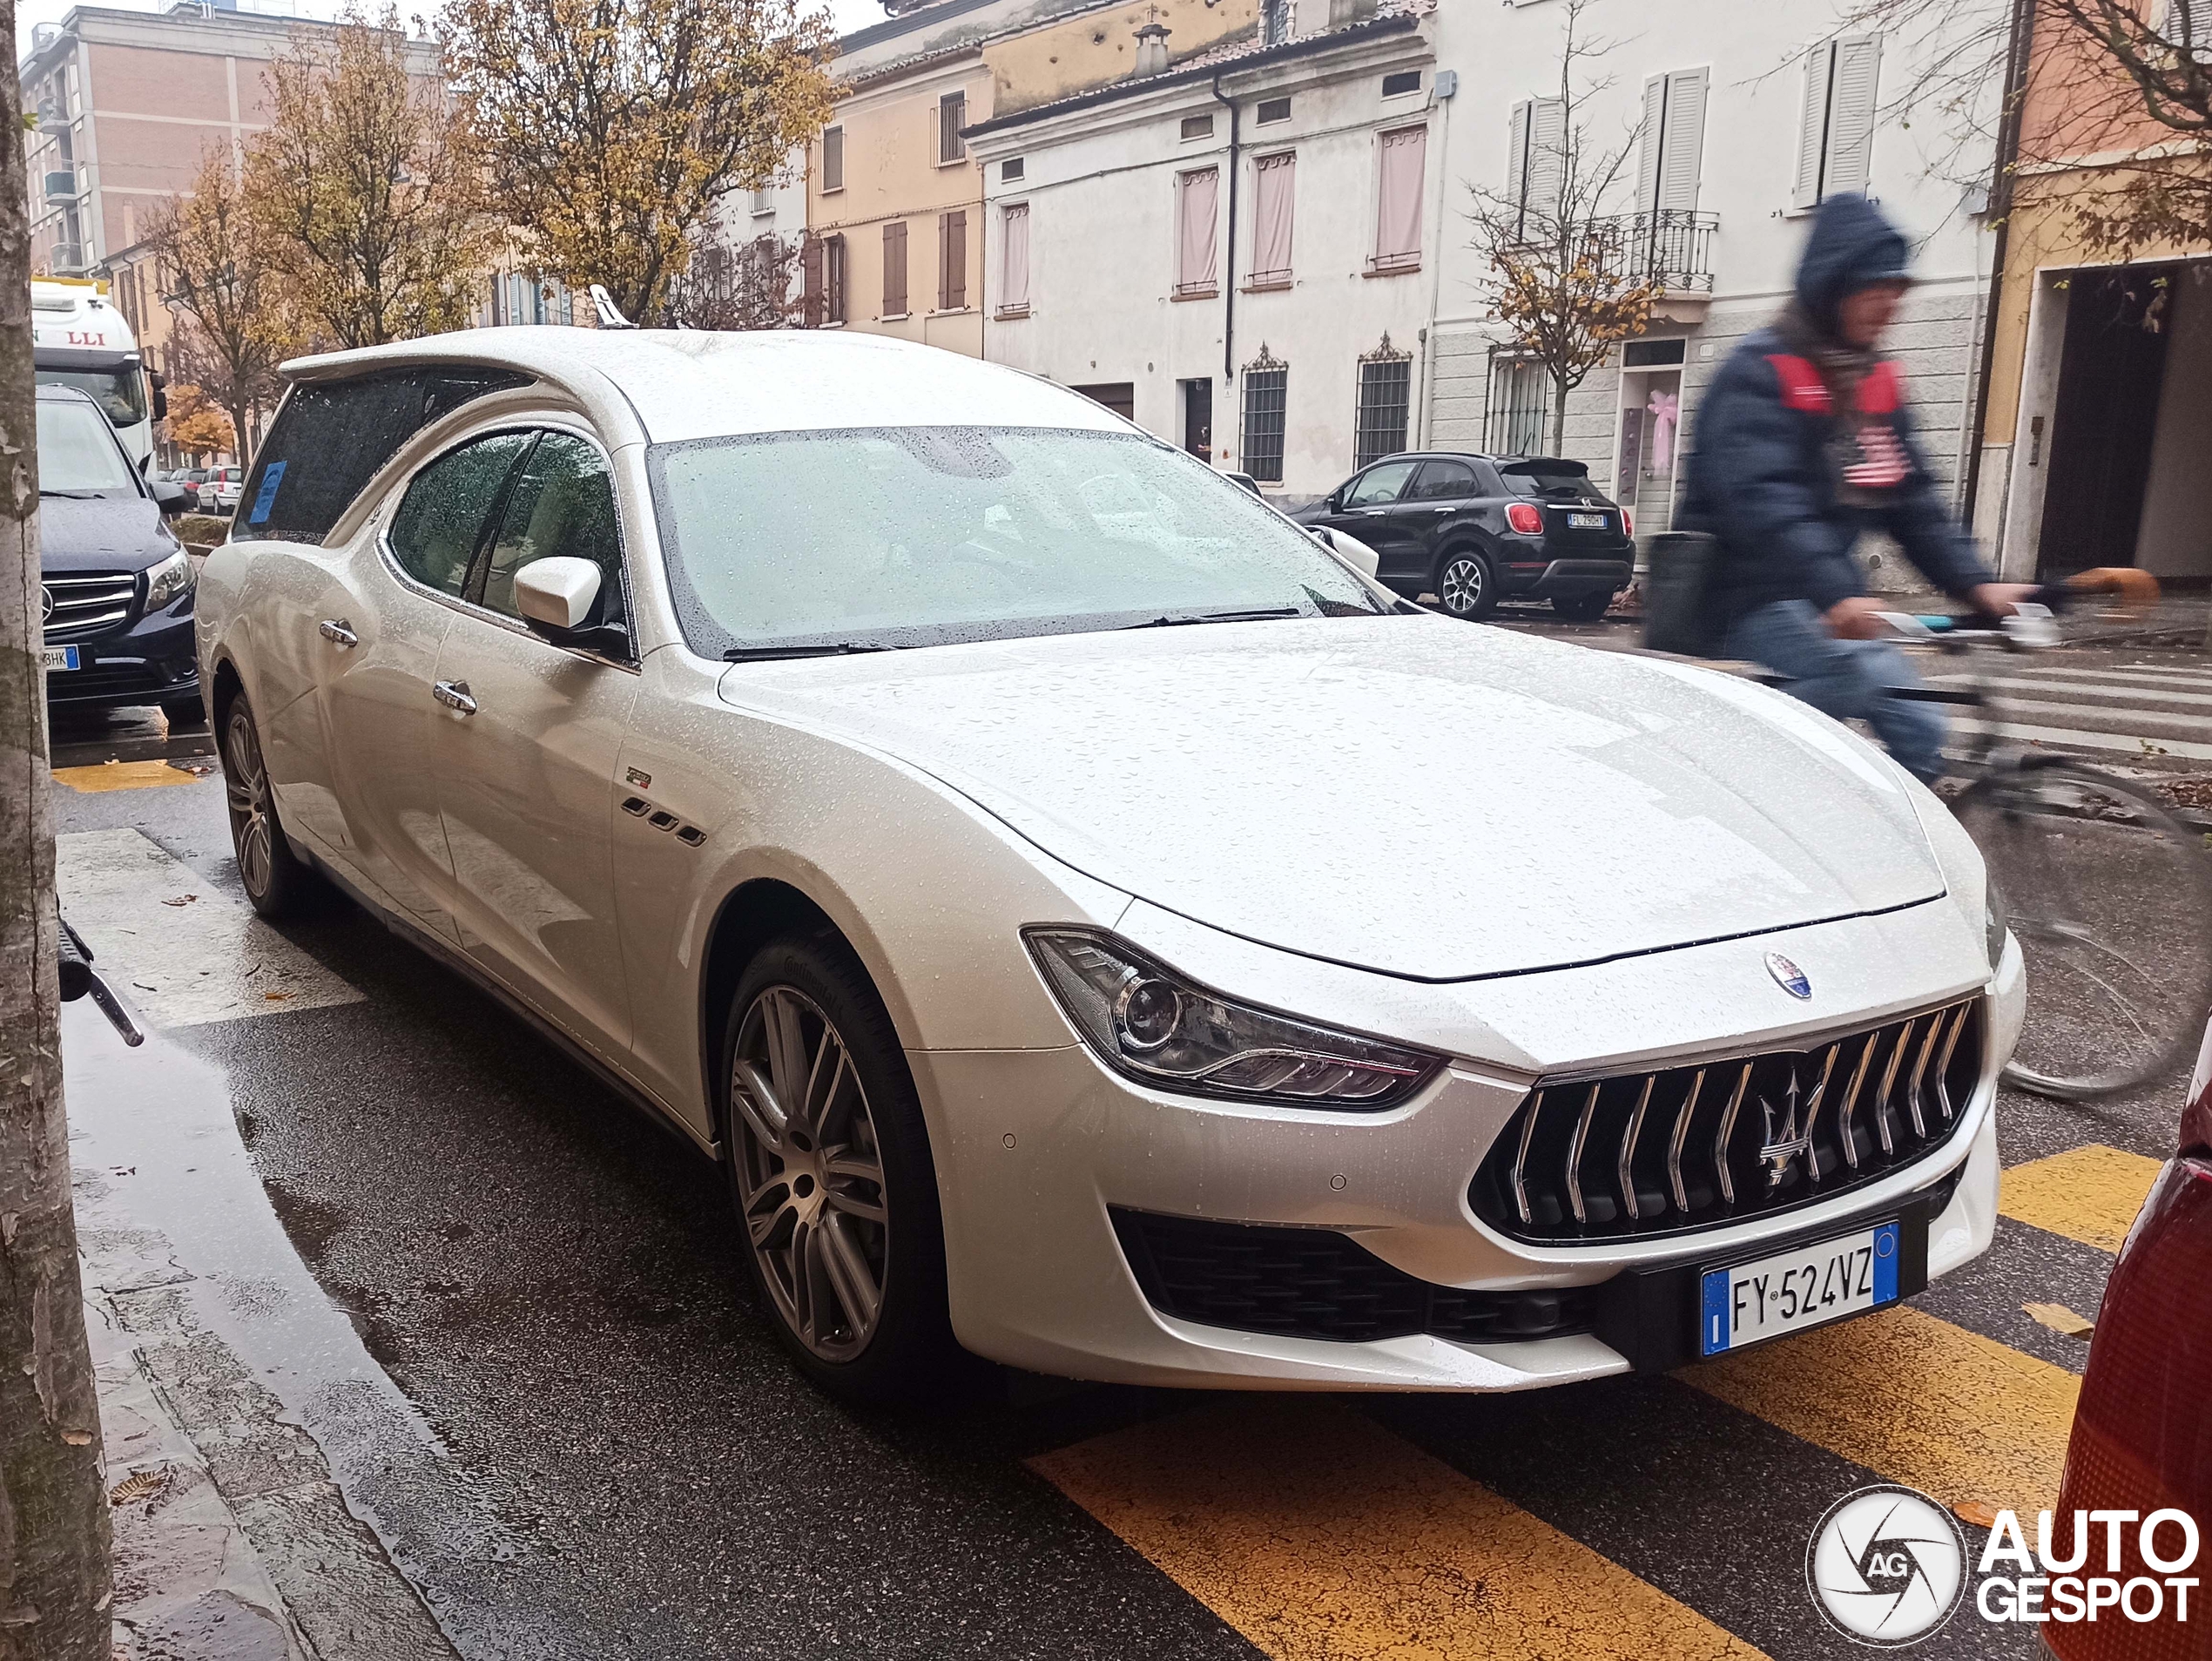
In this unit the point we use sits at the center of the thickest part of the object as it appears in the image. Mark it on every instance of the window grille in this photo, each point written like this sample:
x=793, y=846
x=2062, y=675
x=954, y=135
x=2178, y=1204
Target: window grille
x=1386, y=393
x=1266, y=401
x=1518, y=394
x=952, y=116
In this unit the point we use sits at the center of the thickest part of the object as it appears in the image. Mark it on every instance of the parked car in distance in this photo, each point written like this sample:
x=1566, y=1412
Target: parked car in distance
x=961, y=815
x=220, y=491
x=1473, y=530
x=117, y=583
x=192, y=478
x=2142, y=1430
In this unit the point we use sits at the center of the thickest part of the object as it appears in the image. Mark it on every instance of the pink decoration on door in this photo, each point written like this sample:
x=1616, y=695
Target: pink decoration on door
x=1666, y=409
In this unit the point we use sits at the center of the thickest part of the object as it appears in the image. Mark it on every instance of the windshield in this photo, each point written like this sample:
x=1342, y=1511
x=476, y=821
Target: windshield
x=120, y=392
x=77, y=452
x=921, y=535
x=1546, y=478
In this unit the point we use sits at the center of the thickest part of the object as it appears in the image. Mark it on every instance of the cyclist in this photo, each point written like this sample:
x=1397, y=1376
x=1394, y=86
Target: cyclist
x=1802, y=442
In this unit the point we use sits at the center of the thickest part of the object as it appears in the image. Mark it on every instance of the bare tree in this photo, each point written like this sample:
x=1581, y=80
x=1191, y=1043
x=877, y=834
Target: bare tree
x=54, y=1576
x=750, y=284
x=2044, y=85
x=1569, y=273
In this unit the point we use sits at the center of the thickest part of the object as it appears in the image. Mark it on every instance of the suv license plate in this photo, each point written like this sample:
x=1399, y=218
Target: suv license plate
x=1748, y=1303
x=1586, y=522
x=58, y=656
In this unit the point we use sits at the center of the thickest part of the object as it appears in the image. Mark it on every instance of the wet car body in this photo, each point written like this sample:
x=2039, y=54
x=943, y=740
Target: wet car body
x=1476, y=529
x=1191, y=948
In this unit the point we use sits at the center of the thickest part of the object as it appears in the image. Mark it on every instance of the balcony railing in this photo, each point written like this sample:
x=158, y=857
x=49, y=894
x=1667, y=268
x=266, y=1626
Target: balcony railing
x=1672, y=247
x=60, y=186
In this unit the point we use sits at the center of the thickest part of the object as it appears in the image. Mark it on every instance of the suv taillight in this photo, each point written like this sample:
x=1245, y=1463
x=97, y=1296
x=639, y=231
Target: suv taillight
x=1627, y=522
x=1527, y=520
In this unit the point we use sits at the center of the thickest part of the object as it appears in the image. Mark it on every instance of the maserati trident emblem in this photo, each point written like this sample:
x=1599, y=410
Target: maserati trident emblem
x=1784, y=1141
x=1788, y=976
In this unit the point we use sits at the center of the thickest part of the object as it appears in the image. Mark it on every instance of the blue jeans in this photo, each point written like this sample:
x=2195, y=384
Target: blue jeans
x=1849, y=679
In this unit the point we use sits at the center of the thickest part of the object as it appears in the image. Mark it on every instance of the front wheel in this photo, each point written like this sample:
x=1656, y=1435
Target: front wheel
x=2110, y=898
x=831, y=1174
x=1465, y=586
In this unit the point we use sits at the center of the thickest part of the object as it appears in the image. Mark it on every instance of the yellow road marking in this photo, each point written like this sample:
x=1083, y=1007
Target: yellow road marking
x=1321, y=1536
x=2089, y=1193
x=1923, y=1402
x=125, y=775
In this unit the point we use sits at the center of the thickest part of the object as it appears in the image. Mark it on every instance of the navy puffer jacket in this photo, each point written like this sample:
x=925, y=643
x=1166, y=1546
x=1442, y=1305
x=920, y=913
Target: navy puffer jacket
x=1760, y=475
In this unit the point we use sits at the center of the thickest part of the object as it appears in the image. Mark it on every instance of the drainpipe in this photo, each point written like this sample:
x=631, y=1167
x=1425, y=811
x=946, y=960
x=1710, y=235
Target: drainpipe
x=1229, y=291
x=2017, y=44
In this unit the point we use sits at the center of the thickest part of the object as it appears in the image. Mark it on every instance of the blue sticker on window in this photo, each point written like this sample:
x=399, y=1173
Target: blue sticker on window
x=265, y=498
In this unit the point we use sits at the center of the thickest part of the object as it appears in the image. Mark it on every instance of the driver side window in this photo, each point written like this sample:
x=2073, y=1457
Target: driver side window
x=441, y=520
x=563, y=502
x=1380, y=486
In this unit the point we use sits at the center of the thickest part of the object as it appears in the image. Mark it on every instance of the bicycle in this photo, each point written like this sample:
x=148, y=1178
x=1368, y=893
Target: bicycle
x=2107, y=893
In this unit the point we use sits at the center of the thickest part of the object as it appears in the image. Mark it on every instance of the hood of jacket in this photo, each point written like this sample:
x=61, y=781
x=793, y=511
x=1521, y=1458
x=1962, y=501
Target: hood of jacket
x=1852, y=246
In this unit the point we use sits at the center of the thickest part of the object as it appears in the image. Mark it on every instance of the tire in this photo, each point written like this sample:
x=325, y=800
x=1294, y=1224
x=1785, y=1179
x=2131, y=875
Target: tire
x=2110, y=899
x=1583, y=608
x=185, y=711
x=277, y=882
x=1466, y=587
x=836, y=1202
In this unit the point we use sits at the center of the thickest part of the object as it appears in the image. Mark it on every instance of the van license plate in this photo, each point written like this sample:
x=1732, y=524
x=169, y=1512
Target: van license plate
x=1586, y=522
x=1748, y=1303
x=58, y=656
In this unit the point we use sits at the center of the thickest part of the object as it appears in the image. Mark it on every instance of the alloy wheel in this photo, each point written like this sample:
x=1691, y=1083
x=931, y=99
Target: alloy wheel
x=810, y=1172
x=1461, y=589
x=245, y=782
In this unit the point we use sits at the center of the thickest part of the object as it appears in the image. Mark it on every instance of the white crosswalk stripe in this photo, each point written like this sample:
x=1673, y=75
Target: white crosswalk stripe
x=2147, y=711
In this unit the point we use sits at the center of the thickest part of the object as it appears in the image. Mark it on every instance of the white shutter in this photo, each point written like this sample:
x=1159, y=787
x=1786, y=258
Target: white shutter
x=1851, y=121
x=1685, y=138
x=1547, y=157
x=1517, y=159
x=1651, y=143
x=1812, y=130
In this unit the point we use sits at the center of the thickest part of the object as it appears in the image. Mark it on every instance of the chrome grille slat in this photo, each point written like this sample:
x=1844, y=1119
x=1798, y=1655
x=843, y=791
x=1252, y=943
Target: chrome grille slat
x=1564, y=1167
x=89, y=605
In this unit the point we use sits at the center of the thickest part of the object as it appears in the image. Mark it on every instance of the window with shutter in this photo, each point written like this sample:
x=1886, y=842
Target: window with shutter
x=1013, y=260
x=1198, y=195
x=833, y=158
x=894, y=268
x=810, y=264
x=1397, y=200
x=1274, y=201
x=952, y=261
x=952, y=116
x=1836, y=138
x=1537, y=163
x=1517, y=157
x=833, y=278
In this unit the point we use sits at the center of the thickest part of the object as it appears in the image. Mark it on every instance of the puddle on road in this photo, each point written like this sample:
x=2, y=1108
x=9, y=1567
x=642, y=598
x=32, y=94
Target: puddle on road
x=170, y=1208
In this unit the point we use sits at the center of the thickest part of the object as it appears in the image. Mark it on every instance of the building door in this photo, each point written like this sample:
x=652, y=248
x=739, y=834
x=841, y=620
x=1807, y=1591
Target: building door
x=1120, y=396
x=1644, y=480
x=2104, y=420
x=1198, y=418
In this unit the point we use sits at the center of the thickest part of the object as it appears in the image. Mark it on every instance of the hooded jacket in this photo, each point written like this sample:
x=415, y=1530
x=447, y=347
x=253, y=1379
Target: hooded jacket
x=1761, y=476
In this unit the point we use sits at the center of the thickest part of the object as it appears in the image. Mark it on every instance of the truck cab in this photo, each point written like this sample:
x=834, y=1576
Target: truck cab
x=80, y=339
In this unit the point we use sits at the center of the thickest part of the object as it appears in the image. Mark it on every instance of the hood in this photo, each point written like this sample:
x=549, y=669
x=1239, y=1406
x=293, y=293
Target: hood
x=1851, y=246
x=1424, y=798
x=101, y=534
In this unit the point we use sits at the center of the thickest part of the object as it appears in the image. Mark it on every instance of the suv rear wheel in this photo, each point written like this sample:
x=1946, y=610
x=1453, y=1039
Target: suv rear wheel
x=276, y=880
x=1465, y=587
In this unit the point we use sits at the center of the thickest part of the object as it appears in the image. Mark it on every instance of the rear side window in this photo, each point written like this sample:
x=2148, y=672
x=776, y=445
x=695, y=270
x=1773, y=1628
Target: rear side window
x=1444, y=482
x=441, y=520
x=330, y=437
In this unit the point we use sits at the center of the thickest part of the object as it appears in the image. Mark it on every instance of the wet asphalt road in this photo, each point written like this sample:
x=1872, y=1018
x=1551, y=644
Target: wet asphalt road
x=620, y=1463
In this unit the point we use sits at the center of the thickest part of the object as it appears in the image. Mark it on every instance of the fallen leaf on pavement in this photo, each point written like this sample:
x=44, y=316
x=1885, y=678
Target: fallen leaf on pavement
x=1980, y=1512
x=181, y=899
x=2060, y=1320
x=141, y=1485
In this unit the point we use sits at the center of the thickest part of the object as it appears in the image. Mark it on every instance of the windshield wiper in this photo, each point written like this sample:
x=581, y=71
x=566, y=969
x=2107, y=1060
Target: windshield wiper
x=1219, y=616
x=74, y=496
x=765, y=654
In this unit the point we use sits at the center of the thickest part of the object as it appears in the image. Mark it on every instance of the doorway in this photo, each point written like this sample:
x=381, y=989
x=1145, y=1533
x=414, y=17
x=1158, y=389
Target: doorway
x=1644, y=480
x=1197, y=417
x=2112, y=369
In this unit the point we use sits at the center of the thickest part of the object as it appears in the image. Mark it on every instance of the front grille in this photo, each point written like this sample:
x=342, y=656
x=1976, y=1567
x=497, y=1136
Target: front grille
x=1317, y=1283
x=1700, y=1147
x=89, y=605
x=110, y=680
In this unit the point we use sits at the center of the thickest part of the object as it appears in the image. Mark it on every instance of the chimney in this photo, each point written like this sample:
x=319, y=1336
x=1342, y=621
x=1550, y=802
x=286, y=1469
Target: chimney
x=1151, y=48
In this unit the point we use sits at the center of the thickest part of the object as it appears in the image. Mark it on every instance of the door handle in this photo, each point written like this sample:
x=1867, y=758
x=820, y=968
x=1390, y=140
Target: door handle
x=454, y=694
x=338, y=632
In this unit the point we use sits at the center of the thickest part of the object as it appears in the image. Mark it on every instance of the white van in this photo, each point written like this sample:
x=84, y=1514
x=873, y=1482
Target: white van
x=79, y=339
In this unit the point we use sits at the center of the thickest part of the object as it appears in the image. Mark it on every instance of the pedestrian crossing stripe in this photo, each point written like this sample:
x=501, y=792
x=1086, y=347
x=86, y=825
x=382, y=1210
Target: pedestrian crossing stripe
x=2150, y=721
x=2090, y=1193
x=1319, y=1536
x=2155, y=695
x=2073, y=737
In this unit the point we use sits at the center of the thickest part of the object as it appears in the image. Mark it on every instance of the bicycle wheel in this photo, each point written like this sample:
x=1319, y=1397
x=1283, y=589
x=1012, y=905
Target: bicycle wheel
x=2110, y=898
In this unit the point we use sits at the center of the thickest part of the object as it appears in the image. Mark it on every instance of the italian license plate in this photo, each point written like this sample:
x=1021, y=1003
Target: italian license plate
x=1586, y=522
x=58, y=656
x=1810, y=1285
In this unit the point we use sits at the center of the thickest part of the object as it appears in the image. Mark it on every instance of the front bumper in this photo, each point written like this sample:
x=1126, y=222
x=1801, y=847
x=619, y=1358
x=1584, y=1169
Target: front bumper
x=153, y=661
x=1036, y=1150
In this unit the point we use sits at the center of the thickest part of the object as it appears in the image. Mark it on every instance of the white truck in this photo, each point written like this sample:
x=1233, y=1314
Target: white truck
x=79, y=339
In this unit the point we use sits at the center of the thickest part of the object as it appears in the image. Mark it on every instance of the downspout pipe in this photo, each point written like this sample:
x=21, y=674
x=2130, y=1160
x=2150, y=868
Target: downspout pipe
x=2018, y=44
x=1229, y=277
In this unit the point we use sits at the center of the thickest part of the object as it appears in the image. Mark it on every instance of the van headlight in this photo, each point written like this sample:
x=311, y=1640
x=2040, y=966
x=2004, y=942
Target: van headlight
x=167, y=580
x=1145, y=1021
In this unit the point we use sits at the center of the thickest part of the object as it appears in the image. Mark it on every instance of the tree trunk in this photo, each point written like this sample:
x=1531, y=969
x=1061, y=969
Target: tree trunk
x=1559, y=416
x=54, y=1594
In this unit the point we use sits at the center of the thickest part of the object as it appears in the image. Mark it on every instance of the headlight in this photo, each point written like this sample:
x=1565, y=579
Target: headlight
x=1154, y=1026
x=2000, y=919
x=168, y=579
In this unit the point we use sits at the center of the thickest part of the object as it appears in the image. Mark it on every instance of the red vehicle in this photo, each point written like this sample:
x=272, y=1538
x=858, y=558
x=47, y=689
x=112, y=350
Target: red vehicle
x=2143, y=1435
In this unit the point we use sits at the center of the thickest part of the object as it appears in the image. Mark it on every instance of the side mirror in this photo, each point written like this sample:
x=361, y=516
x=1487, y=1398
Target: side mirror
x=160, y=394
x=1349, y=550
x=168, y=497
x=557, y=594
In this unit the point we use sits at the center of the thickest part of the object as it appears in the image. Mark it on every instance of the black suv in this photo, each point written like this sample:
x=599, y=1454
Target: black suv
x=1474, y=530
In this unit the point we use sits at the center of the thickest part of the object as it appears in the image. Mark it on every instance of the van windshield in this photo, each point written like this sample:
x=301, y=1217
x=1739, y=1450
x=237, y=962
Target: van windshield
x=923, y=536
x=120, y=392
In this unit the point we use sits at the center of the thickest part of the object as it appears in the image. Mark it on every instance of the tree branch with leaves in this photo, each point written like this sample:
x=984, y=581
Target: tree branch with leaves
x=1567, y=274
x=615, y=127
